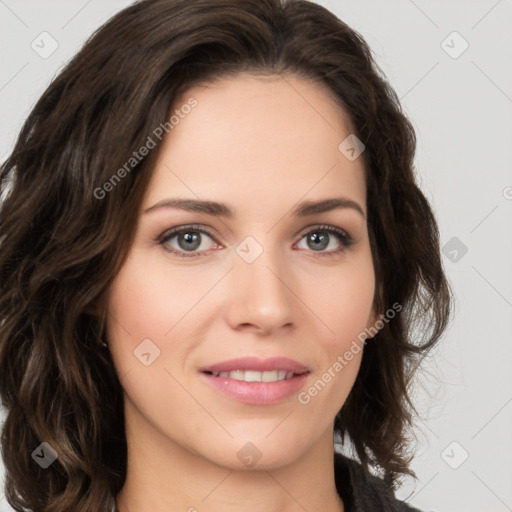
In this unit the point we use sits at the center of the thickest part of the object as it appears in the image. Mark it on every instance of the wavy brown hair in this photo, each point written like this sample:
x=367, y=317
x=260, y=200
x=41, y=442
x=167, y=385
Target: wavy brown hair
x=61, y=245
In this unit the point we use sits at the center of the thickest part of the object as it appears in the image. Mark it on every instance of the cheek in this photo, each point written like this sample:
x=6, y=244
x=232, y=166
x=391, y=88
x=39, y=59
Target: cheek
x=145, y=303
x=344, y=300
x=147, y=299
x=140, y=308
x=345, y=308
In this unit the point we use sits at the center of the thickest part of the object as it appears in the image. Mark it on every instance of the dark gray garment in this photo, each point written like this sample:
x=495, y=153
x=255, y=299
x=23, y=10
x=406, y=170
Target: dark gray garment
x=362, y=492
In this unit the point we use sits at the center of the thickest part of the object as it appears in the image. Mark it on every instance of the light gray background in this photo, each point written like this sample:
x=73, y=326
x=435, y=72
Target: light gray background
x=462, y=111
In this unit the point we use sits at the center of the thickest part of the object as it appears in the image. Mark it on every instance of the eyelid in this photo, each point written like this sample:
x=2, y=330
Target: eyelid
x=325, y=227
x=178, y=229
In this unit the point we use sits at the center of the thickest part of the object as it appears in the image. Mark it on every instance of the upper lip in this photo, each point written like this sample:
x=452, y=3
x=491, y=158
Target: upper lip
x=256, y=364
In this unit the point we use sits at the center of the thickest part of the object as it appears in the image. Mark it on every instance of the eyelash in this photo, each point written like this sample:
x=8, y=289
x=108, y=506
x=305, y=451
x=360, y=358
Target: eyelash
x=345, y=239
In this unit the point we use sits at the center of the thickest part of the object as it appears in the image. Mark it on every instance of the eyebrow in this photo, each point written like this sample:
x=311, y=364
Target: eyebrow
x=303, y=209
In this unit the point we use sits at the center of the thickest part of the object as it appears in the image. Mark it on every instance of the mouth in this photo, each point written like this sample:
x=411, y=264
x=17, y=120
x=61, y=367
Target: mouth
x=257, y=381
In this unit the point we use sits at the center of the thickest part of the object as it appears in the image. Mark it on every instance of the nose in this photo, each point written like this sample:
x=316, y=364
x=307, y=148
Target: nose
x=261, y=293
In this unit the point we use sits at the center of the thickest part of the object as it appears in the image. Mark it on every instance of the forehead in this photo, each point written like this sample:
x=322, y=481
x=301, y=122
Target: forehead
x=257, y=139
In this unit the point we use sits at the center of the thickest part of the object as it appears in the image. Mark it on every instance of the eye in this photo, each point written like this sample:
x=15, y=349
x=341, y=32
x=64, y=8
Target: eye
x=321, y=237
x=189, y=239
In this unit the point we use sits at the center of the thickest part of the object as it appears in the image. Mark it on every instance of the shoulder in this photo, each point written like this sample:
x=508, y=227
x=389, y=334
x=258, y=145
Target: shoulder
x=362, y=492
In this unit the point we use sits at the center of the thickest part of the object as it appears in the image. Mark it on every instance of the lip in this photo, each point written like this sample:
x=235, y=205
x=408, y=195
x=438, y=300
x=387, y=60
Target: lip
x=258, y=393
x=257, y=364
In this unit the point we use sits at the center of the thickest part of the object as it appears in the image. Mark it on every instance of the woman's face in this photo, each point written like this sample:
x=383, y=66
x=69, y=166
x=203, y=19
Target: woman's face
x=263, y=282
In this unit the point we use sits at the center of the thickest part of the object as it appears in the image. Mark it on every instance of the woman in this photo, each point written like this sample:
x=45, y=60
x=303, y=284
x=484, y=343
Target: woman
x=214, y=258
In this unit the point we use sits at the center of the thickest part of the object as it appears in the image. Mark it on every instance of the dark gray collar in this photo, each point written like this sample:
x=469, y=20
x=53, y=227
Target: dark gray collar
x=362, y=491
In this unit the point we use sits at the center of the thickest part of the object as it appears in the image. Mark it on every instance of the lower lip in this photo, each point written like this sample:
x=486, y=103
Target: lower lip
x=262, y=393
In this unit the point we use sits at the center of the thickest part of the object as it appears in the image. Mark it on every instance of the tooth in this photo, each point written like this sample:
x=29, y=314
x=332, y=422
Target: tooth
x=252, y=376
x=269, y=376
x=255, y=376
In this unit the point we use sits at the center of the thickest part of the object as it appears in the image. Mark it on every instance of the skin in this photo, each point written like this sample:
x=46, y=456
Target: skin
x=261, y=145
